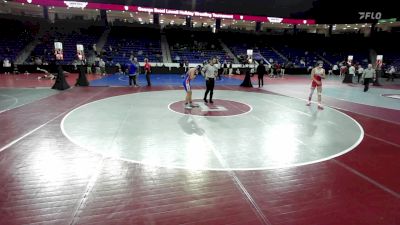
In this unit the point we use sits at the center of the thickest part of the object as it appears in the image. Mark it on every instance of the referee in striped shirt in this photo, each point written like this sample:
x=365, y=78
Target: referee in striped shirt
x=209, y=72
x=367, y=76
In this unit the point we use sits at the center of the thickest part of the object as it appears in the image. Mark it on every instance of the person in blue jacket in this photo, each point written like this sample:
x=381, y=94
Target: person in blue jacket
x=133, y=71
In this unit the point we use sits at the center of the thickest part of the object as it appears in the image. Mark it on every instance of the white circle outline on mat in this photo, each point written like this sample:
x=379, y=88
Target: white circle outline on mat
x=11, y=105
x=361, y=137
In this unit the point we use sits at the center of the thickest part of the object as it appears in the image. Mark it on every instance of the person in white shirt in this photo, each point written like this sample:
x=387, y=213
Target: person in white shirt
x=177, y=58
x=330, y=72
x=391, y=72
x=209, y=71
x=102, y=66
x=352, y=71
x=7, y=66
x=303, y=63
x=335, y=69
x=237, y=71
x=360, y=71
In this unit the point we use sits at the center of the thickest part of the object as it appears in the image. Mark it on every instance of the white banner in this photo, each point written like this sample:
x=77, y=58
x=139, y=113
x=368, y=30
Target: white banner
x=73, y=4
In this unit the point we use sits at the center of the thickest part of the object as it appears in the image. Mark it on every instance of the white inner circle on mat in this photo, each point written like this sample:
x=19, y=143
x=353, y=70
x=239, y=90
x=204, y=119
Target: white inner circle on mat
x=278, y=132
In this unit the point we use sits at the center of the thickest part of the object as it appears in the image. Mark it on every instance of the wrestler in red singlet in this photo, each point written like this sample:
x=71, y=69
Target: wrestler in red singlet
x=317, y=74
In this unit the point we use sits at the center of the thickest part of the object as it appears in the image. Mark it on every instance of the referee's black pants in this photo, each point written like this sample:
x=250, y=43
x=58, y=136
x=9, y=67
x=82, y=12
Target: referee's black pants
x=366, y=83
x=210, y=88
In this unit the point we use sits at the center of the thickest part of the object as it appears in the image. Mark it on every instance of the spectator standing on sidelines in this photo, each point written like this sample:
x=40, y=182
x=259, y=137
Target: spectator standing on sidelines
x=102, y=66
x=6, y=66
x=132, y=72
x=352, y=71
x=360, y=71
x=225, y=68
x=147, y=71
x=391, y=72
x=283, y=69
x=261, y=72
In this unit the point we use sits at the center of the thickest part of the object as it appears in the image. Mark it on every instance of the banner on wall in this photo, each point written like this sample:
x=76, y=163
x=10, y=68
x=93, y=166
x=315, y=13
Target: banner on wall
x=379, y=61
x=349, y=59
x=80, y=53
x=250, y=56
x=132, y=8
x=58, y=51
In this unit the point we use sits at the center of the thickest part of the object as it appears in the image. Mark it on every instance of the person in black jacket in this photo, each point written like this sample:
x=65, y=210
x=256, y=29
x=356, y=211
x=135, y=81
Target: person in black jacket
x=261, y=71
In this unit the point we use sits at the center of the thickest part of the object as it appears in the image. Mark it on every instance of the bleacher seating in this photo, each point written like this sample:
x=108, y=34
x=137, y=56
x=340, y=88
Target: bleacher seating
x=239, y=47
x=15, y=35
x=127, y=42
x=195, y=47
x=70, y=36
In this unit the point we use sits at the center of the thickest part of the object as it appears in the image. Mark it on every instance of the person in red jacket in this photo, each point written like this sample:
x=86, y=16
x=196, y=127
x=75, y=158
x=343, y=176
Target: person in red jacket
x=147, y=71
